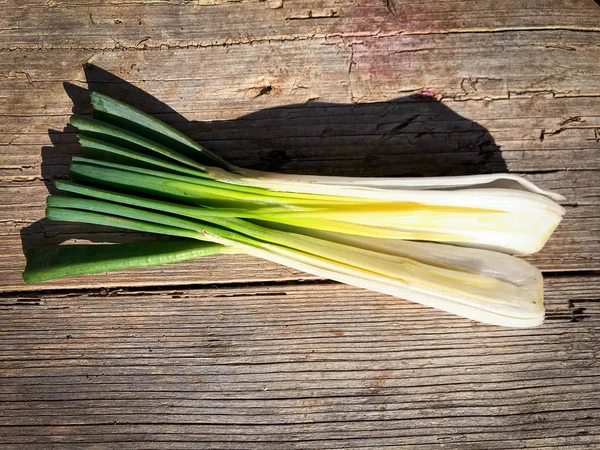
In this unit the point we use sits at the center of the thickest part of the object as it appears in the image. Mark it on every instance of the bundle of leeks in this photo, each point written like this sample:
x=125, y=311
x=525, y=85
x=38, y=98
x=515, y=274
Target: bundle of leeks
x=442, y=242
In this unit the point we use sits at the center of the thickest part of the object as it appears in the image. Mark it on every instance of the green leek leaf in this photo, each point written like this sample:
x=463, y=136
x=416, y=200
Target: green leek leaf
x=60, y=261
x=125, y=116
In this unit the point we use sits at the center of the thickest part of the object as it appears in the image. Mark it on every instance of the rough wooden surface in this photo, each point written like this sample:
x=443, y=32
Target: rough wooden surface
x=233, y=352
x=294, y=366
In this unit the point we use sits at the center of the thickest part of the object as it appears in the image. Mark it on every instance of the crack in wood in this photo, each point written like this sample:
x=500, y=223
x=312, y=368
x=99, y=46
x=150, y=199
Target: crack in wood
x=562, y=127
x=135, y=290
x=119, y=46
x=254, y=40
x=492, y=30
x=327, y=14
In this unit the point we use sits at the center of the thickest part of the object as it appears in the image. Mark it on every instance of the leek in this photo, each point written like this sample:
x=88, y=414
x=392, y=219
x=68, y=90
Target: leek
x=442, y=242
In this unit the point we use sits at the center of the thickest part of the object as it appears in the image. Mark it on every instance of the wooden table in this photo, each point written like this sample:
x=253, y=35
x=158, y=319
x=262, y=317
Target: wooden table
x=238, y=353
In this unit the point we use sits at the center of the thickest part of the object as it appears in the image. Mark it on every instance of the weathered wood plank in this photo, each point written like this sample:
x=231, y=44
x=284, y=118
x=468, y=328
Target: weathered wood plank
x=315, y=366
x=287, y=364
x=141, y=25
x=382, y=68
x=39, y=24
x=481, y=16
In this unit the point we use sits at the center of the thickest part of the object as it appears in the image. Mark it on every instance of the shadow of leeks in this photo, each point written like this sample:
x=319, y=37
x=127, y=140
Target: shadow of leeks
x=409, y=136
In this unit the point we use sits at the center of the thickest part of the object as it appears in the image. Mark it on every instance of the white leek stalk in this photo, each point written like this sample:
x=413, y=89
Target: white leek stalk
x=501, y=212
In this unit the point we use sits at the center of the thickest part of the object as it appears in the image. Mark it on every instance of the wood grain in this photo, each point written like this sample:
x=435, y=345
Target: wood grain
x=101, y=25
x=146, y=24
x=484, y=16
x=294, y=366
x=238, y=353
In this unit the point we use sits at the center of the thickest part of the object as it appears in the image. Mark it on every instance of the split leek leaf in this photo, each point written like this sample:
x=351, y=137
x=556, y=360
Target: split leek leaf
x=98, y=147
x=96, y=128
x=125, y=116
